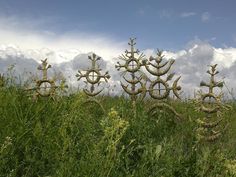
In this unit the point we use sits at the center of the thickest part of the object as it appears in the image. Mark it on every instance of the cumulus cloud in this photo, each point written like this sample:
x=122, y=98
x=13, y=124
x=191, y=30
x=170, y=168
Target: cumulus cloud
x=68, y=53
x=191, y=64
x=59, y=47
x=25, y=42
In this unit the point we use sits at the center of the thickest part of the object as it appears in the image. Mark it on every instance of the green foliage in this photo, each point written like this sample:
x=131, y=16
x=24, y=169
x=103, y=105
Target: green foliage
x=65, y=138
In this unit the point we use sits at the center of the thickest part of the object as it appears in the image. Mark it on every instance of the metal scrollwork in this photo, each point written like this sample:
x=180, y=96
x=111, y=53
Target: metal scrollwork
x=46, y=87
x=210, y=104
x=93, y=78
x=132, y=65
x=159, y=88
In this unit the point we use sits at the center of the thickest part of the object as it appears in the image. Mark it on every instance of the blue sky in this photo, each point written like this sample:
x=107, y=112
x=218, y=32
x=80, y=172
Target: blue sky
x=165, y=24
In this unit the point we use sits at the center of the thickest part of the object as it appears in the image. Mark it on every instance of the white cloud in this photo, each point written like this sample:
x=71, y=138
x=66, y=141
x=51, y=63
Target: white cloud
x=24, y=47
x=205, y=17
x=226, y=57
x=43, y=43
x=187, y=14
x=192, y=63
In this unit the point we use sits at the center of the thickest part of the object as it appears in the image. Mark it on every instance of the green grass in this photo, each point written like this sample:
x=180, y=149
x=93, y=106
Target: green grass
x=66, y=138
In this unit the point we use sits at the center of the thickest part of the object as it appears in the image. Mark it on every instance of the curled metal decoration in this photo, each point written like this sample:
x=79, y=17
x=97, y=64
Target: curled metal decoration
x=163, y=105
x=132, y=65
x=46, y=87
x=159, y=88
x=210, y=124
x=93, y=76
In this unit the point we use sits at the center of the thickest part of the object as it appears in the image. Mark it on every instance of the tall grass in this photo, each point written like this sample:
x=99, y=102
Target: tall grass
x=68, y=138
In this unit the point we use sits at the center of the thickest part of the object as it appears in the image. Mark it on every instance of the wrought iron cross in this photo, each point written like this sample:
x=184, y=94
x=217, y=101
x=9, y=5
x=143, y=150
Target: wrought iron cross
x=160, y=84
x=46, y=87
x=210, y=104
x=159, y=88
x=93, y=76
x=132, y=65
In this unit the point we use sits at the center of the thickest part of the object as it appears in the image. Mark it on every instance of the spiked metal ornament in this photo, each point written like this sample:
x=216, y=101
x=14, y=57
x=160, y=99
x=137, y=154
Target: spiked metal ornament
x=210, y=104
x=132, y=65
x=159, y=88
x=93, y=76
x=46, y=87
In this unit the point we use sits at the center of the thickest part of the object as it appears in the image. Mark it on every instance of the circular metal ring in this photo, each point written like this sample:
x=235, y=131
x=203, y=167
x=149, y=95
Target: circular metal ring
x=207, y=109
x=51, y=89
x=161, y=96
x=96, y=78
x=129, y=69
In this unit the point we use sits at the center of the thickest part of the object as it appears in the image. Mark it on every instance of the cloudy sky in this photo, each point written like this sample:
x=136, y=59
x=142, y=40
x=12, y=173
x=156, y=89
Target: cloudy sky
x=195, y=33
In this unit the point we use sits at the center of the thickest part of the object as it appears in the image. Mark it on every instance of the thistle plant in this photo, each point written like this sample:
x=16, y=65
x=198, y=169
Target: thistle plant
x=211, y=106
x=159, y=89
x=132, y=74
x=46, y=87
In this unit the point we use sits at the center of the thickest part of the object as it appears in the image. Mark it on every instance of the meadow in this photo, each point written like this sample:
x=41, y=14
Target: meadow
x=69, y=138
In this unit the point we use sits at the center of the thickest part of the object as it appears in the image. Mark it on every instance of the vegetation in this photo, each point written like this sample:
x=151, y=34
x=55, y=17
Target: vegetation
x=69, y=138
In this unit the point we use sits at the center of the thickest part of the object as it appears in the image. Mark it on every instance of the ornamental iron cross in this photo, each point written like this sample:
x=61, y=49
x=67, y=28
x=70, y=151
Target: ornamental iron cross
x=159, y=88
x=93, y=76
x=210, y=104
x=132, y=65
x=46, y=87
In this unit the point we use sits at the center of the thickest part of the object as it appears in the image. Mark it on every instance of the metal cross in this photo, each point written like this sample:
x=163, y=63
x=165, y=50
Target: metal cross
x=158, y=68
x=46, y=87
x=132, y=65
x=93, y=76
x=210, y=124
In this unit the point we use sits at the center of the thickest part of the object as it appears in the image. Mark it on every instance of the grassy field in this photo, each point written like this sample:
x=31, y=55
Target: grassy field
x=67, y=138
